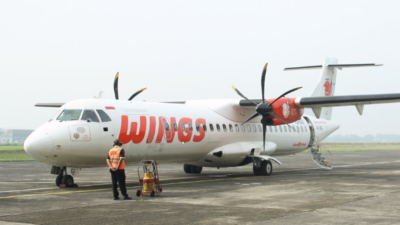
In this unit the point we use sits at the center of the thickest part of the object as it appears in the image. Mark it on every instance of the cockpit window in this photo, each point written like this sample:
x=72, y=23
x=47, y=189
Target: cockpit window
x=89, y=114
x=103, y=116
x=69, y=114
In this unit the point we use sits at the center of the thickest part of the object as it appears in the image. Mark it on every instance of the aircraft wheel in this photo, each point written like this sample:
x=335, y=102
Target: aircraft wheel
x=152, y=194
x=59, y=179
x=186, y=168
x=256, y=171
x=266, y=168
x=68, y=180
x=196, y=169
x=138, y=193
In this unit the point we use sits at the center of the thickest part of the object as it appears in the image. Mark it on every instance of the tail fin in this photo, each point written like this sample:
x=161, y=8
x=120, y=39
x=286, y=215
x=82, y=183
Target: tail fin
x=327, y=82
x=326, y=86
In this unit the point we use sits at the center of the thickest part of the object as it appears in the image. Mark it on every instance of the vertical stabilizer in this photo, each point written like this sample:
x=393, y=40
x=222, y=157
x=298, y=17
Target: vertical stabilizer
x=326, y=86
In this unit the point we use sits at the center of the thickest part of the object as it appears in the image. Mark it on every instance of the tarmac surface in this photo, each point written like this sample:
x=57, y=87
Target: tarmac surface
x=362, y=188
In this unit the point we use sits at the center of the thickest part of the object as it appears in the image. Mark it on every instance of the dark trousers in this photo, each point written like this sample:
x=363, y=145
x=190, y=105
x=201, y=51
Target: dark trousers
x=118, y=176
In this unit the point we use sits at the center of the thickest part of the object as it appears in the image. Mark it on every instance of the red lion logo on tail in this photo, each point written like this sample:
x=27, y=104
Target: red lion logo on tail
x=328, y=88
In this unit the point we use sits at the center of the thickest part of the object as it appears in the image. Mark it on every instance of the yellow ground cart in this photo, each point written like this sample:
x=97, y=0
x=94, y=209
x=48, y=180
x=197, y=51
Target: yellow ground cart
x=149, y=182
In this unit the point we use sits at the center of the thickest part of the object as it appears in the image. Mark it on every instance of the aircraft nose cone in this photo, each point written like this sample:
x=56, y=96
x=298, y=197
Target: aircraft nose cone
x=39, y=145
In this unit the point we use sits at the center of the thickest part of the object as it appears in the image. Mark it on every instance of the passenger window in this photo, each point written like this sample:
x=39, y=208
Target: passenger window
x=248, y=128
x=276, y=129
x=254, y=128
x=270, y=129
x=305, y=129
x=243, y=128
x=237, y=128
x=197, y=127
x=211, y=128
x=166, y=127
x=204, y=127
x=224, y=127
x=175, y=127
x=218, y=127
x=301, y=128
x=103, y=116
x=70, y=114
x=298, y=129
x=290, y=129
x=90, y=115
x=259, y=127
x=280, y=128
x=183, y=127
x=190, y=127
x=231, y=127
x=284, y=127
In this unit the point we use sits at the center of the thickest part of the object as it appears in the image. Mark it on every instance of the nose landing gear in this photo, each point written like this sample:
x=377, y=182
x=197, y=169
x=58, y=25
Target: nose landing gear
x=63, y=179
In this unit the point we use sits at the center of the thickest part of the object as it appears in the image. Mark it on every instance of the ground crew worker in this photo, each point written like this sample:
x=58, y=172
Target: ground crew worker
x=116, y=163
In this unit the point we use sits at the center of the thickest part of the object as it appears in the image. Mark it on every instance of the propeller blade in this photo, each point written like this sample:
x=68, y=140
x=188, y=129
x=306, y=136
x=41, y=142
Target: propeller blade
x=252, y=117
x=263, y=81
x=264, y=131
x=241, y=95
x=116, y=86
x=276, y=116
x=136, y=93
x=290, y=91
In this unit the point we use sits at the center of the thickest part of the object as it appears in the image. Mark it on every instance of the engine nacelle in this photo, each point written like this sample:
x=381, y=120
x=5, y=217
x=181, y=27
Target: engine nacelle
x=286, y=109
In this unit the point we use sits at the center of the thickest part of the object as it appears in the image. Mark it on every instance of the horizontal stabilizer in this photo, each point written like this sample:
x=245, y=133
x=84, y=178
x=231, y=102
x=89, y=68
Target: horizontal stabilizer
x=339, y=66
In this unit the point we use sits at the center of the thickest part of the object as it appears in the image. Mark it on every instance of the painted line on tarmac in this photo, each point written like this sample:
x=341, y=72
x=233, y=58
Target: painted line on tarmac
x=108, y=189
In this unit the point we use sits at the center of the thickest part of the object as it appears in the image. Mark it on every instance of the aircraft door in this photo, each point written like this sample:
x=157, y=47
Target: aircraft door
x=312, y=131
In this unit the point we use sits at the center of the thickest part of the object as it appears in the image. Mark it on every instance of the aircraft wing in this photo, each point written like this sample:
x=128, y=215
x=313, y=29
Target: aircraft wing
x=316, y=103
x=345, y=100
x=53, y=105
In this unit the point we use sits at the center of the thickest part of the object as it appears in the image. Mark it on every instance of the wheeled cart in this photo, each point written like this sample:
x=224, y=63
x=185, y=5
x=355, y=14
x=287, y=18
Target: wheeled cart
x=149, y=182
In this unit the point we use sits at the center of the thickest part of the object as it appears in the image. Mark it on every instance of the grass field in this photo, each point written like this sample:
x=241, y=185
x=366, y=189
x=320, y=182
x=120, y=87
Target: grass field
x=15, y=152
x=359, y=146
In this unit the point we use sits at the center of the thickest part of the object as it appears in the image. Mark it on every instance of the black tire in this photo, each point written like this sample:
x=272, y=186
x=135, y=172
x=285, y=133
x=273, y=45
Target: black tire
x=68, y=180
x=187, y=168
x=256, y=171
x=198, y=169
x=152, y=194
x=268, y=168
x=138, y=193
x=59, y=179
x=195, y=169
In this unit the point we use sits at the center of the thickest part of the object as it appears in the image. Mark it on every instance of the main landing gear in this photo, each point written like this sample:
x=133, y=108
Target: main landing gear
x=262, y=168
x=192, y=169
x=63, y=179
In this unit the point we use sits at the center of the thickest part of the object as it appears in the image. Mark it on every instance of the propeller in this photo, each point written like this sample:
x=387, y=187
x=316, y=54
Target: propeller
x=116, y=88
x=265, y=109
x=116, y=85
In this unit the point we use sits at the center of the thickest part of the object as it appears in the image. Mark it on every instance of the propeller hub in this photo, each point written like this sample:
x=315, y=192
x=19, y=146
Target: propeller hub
x=264, y=109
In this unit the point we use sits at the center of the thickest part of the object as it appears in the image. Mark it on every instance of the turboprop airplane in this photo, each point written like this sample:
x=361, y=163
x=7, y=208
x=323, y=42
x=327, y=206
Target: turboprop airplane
x=197, y=133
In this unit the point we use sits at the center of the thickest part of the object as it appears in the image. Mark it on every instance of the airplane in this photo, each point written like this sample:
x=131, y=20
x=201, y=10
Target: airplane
x=197, y=133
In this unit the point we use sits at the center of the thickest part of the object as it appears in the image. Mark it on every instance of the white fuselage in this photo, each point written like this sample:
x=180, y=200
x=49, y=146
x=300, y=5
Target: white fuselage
x=82, y=143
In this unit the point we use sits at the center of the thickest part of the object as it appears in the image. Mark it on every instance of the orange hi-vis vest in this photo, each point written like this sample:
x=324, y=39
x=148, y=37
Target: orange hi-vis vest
x=114, y=155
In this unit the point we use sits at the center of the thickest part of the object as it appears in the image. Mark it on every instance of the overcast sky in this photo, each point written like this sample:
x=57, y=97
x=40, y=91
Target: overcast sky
x=57, y=51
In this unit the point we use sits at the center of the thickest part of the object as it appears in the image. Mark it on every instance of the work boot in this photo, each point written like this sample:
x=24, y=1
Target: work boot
x=127, y=198
x=116, y=198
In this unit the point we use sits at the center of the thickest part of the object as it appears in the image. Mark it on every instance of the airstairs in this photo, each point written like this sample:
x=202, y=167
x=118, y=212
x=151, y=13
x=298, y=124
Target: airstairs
x=317, y=158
